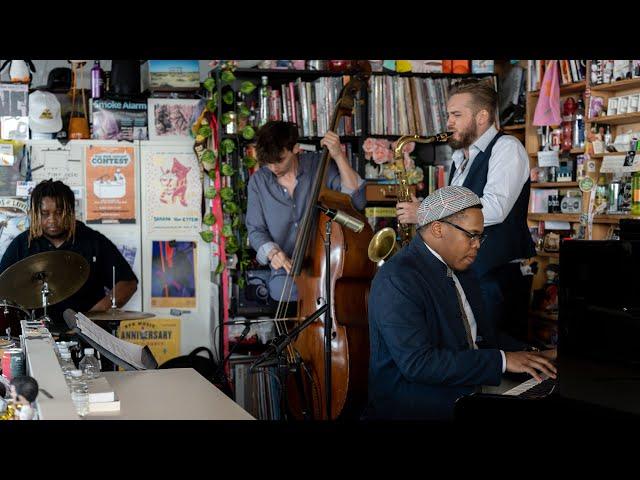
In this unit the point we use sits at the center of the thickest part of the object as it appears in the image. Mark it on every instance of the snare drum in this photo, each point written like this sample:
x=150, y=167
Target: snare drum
x=10, y=315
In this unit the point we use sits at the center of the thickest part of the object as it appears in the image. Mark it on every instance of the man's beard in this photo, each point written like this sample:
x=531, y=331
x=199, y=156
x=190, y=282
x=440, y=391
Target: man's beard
x=468, y=136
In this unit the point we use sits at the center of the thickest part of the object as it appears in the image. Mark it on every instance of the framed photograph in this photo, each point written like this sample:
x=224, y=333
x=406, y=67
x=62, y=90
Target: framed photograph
x=173, y=274
x=612, y=106
x=623, y=103
x=171, y=118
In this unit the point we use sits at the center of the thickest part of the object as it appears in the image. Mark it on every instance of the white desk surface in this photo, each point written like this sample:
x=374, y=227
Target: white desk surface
x=171, y=394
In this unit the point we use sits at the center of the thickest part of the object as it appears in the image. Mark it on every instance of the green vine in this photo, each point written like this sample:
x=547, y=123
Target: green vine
x=234, y=203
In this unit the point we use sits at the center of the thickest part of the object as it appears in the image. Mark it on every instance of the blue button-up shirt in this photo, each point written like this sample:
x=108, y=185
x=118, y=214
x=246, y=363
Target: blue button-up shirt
x=273, y=215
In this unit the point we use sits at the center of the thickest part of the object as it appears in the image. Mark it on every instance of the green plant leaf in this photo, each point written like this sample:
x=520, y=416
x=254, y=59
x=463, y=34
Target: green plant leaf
x=210, y=83
x=226, y=118
x=208, y=156
x=210, y=192
x=228, y=97
x=214, y=98
x=212, y=175
x=207, y=236
x=243, y=110
x=227, y=146
x=227, y=231
x=219, y=268
x=236, y=222
x=241, y=282
x=209, y=219
x=249, y=162
x=212, y=105
x=227, y=170
x=230, y=207
x=240, y=185
x=205, y=131
x=226, y=194
x=228, y=76
x=247, y=87
x=248, y=132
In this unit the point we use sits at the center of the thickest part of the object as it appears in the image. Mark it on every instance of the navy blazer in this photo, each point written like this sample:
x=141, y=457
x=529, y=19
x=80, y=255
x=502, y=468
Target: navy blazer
x=420, y=361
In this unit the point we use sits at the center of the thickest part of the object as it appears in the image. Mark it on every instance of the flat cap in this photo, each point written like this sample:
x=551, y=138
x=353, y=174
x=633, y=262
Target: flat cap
x=444, y=202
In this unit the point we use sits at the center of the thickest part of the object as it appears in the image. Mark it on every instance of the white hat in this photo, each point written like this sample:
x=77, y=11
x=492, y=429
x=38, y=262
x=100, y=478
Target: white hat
x=444, y=202
x=44, y=112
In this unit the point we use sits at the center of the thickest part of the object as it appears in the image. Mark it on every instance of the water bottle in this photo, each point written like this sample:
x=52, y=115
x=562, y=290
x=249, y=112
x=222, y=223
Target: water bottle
x=66, y=364
x=97, y=75
x=264, y=102
x=89, y=364
x=79, y=392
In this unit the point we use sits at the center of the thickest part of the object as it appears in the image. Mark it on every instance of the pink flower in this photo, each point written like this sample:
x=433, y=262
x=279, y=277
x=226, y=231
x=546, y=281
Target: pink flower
x=381, y=154
x=409, y=164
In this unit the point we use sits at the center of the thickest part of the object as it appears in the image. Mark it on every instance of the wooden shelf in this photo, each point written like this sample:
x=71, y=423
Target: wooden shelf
x=547, y=254
x=598, y=156
x=617, y=86
x=554, y=217
x=290, y=72
x=573, y=151
x=510, y=128
x=565, y=89
x=574, y=217
x=554, y=184
x=617, y=119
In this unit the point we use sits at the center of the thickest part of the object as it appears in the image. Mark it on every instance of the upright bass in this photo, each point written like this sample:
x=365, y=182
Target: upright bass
x=350, y=279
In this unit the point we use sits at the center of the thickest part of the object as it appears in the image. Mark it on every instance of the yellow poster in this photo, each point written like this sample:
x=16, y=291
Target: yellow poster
x=161, y=335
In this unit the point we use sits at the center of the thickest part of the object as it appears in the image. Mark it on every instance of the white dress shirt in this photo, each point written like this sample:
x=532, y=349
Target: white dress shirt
x=473, y=326
x=508, y=172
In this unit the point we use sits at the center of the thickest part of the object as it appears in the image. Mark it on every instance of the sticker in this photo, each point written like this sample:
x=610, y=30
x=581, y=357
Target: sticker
x=23, y=189
x=586, y=184
x=591, y=166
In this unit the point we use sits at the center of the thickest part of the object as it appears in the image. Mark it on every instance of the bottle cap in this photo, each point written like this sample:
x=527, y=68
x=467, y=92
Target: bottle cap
x=88, y=351
x=76, y=373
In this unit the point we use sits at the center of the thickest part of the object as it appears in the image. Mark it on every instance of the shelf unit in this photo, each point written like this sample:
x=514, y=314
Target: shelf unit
x=603, y=225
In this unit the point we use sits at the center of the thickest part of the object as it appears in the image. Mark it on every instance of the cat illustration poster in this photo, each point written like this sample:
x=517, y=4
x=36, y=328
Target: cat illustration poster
x=173, y=192
x=111, y=185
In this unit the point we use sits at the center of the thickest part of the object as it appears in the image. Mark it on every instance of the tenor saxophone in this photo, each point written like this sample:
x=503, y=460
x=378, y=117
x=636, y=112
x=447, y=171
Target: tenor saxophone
x=384, y=244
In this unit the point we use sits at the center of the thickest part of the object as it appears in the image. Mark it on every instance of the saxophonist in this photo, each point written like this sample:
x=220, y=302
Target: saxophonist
x=496, y=168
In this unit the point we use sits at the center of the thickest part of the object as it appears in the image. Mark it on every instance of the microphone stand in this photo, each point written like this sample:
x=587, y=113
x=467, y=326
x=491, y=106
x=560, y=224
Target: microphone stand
x=279, y=343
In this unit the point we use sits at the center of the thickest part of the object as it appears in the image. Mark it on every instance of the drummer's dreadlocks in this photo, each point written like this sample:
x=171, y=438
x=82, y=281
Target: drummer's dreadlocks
x=65, y=200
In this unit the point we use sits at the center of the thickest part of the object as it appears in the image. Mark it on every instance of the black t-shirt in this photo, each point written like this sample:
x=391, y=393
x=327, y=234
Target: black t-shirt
x=101, y=254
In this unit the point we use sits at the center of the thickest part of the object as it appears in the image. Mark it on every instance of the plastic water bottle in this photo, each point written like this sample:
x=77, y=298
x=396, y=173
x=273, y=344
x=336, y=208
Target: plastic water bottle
x=89, y=364
x=79, y=392
x=66, y=364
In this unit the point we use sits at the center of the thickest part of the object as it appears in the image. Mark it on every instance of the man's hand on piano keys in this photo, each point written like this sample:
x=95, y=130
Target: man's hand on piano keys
x=532, y=363
x=551, y=354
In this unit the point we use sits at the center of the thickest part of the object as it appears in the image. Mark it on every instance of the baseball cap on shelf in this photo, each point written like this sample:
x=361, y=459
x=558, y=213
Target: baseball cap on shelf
x=44, y=112
x=444, y=202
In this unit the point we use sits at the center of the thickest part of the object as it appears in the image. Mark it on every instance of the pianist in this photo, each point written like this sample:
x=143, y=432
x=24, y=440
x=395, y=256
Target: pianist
x=429, y=340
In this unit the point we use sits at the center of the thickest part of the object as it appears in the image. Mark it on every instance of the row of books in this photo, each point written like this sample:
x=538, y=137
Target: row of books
x=311, y=106
x=607, y=71
x=258, y=393
x=409, y=105
x=571, y=71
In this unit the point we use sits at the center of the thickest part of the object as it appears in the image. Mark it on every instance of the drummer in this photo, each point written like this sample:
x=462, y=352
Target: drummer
x=53, y=226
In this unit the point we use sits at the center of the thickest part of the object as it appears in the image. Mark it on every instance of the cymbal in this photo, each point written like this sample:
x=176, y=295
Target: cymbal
x=65, y=273
x=116, y=315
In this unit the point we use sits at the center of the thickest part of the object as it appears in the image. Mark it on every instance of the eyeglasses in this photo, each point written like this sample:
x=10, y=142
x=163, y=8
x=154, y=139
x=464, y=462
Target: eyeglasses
x=480, y=237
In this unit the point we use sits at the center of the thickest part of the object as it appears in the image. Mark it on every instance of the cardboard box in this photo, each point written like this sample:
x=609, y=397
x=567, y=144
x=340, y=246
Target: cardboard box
x=170, y=75
x=113, y=119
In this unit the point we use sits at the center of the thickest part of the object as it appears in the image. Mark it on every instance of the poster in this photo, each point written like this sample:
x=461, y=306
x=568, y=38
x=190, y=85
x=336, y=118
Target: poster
x=173, y=193
x=161, y=335
x=173, y=274
x=56, y=164
x=14, y=219
x=171, y=118
x=111, y=185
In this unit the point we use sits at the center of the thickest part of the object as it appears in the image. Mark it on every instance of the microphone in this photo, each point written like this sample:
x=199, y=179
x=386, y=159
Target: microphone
x=343, y=219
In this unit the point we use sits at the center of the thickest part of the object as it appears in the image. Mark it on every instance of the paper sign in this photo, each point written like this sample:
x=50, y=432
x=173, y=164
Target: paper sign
x=161, y=335
x=620, y=164
x=548, y=159
x=6, y=155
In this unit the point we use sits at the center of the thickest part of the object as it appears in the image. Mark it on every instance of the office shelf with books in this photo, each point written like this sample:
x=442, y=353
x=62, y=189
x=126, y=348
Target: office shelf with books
x=596, y=81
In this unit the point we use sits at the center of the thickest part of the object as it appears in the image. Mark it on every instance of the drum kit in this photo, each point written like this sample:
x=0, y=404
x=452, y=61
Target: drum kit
x=46, y=279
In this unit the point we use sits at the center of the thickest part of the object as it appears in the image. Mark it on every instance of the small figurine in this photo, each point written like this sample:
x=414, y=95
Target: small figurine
x=19, y=70
x=24, y=391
